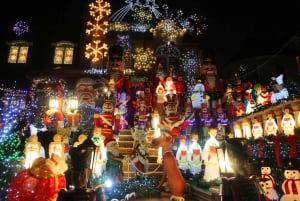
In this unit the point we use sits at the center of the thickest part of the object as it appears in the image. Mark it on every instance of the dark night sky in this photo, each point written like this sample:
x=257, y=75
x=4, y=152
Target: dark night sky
x=232, y=26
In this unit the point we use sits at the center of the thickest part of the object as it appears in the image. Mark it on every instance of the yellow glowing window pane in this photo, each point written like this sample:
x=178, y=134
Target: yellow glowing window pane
x=63, y=55
x=68, y=55
x=23, y=55
x=18, y=54
x=13, y=54
x=58, y=55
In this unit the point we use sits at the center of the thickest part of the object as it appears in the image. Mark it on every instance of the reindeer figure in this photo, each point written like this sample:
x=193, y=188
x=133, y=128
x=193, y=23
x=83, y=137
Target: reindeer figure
x=171, y=172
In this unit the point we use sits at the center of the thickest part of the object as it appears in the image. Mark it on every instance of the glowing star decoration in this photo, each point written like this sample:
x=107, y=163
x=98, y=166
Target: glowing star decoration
x=96, y=29
x=189, y=63
x=20, y=28
x=143, y=59
x=139, y=10
x=174, y=26
x=142, y=17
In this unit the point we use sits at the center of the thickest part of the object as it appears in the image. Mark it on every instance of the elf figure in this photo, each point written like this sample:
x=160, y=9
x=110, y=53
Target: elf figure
x=291, y=184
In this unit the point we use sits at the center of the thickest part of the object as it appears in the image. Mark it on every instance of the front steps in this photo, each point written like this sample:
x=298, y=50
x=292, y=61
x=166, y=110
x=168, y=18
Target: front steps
x=125, y=141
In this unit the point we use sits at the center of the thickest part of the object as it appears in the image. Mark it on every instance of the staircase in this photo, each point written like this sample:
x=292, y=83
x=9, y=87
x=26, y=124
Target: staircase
x=126, y=148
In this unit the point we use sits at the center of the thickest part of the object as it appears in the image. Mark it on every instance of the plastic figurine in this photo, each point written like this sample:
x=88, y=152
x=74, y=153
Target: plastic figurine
x=195, y=155
x=210, y=156
x=57, y=146
x=182, y=155
x=288, y=122
x=33, y=150
x=271, y=126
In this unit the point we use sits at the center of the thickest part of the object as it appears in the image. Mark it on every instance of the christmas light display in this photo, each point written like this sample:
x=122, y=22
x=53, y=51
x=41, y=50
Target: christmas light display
x=189, y=62
x=139, y=10
x=143, y=59
x=96, y=29
x=20, y=28
x=143, y=14
x=171, y=27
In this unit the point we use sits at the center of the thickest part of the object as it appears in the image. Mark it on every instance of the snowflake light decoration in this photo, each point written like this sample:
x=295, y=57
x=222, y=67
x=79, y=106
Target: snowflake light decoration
x=97, y=28
x=143, y=59
x=20, y=28
x=174, y=26
x=189, y=61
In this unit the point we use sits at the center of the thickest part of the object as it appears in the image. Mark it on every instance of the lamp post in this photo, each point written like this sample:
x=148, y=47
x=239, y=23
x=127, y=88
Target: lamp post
x=226, y=170
x=69, y=106
x=71, y=110
x=235, y=185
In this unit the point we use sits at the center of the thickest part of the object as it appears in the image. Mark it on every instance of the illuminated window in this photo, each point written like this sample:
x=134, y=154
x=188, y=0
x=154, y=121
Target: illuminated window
x=168, y=55
x=18, y=52
x=63, y=53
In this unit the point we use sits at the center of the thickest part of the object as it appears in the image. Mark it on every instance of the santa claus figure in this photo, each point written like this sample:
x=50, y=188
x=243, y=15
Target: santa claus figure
x=139, y=158
x=291, y=184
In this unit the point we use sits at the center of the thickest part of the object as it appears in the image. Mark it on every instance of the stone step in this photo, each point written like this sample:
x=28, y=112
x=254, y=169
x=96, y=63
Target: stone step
x=126, y=142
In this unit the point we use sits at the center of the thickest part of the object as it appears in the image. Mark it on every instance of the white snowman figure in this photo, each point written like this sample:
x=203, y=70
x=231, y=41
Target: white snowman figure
x=291, y=185
x=198, y=97
x=267, y=181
